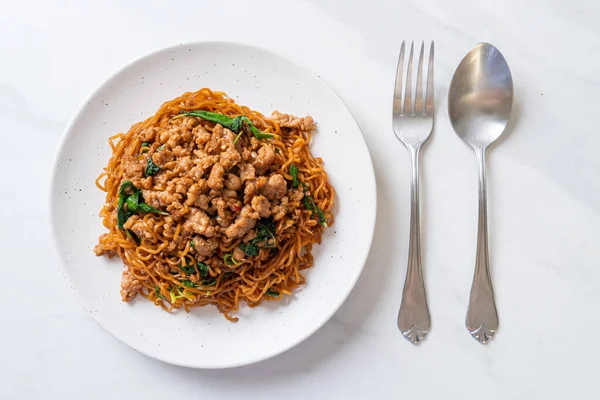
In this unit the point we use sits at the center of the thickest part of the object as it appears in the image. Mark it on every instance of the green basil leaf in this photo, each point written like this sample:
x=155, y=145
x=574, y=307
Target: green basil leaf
x=309, y=203
x=203, y=268
x=250, y=249
x=236, y=125
x=257, y=133
x=134, y=202
x=233, y=124
x=265, y=236
x=294, y=174
x=266, y=233
x=222, y=119
x=143, y=207
x=122, y=214
x=151, y=168
x=188, y=269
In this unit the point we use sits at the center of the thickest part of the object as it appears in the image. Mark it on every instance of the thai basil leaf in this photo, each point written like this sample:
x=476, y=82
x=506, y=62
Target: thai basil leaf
x=234, y=124
x=294, y=174
x=128, y=205
x=203, y=268
x=250, y=249
x=188, y=269
x=151, y=168
x=265, y=235
x=309, y=203
x=143, y=207
x=256, y=132
x=222, y=119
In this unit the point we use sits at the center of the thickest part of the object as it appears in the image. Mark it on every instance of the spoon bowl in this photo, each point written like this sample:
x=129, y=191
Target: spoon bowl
x=481, y=96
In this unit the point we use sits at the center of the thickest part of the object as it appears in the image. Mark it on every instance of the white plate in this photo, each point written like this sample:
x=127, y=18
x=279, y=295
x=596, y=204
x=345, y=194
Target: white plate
x=263, y=81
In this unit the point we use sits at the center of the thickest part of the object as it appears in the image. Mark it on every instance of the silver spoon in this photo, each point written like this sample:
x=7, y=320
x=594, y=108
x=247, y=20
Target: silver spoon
x=479, y=104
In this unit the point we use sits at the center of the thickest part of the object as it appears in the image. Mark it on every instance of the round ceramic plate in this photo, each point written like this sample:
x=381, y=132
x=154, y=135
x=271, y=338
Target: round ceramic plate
x=263, y=81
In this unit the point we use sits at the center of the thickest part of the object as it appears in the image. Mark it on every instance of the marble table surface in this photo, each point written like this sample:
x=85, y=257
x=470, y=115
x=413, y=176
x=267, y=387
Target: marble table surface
x=544, y=195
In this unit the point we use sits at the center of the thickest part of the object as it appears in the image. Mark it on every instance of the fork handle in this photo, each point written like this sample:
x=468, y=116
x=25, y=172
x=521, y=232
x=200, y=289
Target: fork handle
x=482, y=316
x=413, y=319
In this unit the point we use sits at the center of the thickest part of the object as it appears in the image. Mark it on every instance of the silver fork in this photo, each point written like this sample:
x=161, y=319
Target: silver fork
x=413, y=124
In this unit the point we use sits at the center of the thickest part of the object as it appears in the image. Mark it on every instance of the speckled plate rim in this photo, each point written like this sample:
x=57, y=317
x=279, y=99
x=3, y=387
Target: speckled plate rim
x=68, y=131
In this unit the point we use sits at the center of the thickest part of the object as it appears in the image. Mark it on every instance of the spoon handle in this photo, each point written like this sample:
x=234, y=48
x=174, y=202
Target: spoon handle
x=482, y=316
x=413, y=319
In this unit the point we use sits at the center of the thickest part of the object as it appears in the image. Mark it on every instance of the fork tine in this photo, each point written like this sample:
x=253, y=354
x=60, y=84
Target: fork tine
x=429, y=95
x=408, y=104
x=398, y=87
x=419, y=89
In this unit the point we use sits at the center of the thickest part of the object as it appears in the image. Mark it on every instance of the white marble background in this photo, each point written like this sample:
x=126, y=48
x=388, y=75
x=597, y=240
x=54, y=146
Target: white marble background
x=544, y=200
